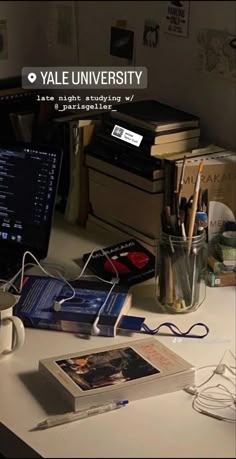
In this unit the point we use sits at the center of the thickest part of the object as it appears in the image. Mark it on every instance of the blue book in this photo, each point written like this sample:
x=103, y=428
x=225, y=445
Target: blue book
x=36, y=305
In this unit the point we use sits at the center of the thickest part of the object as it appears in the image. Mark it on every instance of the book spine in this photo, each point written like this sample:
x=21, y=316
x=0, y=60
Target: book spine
x=169, y=181
x=67, y=326
x=130, y=161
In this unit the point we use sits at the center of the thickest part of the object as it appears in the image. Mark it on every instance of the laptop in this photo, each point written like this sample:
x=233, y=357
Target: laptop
x=29, y=178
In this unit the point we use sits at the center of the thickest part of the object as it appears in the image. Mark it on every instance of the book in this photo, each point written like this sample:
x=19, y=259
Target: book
x=154, y=184
x=133, y=262
x=39, y=294
x=154, y=115
x=151, y=137
x=179, y=146
x=130, y=370
x=123, y=230
x=116, y=201
x=217, y=182
x=124, y=156
x=152, y=149
x=221, y=278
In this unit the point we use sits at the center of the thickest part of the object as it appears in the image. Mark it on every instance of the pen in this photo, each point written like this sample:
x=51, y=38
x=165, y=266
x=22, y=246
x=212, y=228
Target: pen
x=76, y=415
x=181, y=182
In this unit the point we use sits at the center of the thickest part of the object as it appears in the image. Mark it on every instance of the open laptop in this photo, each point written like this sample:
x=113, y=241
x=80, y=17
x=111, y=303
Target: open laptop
x=28, y=186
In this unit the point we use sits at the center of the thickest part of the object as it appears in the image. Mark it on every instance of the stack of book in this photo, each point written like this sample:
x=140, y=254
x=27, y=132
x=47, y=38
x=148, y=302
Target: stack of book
x=155, y=128
x=222, y=261
x=125, y=165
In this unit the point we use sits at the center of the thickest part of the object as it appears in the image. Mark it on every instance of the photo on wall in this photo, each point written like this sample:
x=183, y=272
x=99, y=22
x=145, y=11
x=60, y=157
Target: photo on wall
x=122, y=43
x=150, y=33
x=3, y=39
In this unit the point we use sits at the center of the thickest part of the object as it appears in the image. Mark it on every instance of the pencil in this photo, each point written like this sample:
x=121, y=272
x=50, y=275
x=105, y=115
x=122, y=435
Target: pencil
x=194, y=206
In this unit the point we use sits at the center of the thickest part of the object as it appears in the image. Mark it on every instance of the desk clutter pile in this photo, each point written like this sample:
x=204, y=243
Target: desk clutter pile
x=134, y=167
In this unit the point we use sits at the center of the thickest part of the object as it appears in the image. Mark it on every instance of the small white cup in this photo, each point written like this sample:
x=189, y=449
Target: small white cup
x=12, y=331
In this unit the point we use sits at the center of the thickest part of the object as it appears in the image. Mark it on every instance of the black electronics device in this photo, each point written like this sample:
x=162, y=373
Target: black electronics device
x=28, y=185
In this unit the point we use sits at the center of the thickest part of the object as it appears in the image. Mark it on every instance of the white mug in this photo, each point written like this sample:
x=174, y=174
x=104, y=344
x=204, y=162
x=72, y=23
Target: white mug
x=12, y=332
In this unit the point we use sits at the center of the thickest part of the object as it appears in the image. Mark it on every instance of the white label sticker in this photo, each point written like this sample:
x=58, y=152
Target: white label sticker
x=126, y=135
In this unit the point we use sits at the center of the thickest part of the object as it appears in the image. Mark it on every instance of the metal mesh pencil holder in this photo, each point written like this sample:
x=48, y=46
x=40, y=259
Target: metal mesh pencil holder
x=180, y=279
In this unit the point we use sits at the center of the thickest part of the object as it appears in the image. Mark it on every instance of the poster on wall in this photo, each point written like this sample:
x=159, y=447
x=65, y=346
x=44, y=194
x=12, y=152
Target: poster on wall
x=3, y=39
x=177, y=18
x=216, y=54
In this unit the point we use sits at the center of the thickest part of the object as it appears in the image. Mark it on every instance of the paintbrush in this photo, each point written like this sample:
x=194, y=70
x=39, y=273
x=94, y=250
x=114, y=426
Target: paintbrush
x=194, y=206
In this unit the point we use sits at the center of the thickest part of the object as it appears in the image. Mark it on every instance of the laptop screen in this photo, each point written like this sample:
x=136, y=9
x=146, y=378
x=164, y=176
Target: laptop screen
x=28, y=185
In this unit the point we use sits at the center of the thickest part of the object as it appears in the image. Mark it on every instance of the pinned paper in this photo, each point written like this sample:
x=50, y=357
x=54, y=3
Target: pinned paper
x=177, y=17
x=150, y=33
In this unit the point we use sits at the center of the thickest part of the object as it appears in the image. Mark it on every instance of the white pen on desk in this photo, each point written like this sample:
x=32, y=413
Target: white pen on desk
x=76, y=415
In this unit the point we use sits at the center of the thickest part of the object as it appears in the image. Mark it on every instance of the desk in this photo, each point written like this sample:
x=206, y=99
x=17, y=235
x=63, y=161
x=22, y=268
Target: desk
x=164, y=426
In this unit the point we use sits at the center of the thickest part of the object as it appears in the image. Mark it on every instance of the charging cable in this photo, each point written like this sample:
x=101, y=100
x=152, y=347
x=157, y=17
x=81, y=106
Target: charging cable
x=207, y=400
x=57, y=304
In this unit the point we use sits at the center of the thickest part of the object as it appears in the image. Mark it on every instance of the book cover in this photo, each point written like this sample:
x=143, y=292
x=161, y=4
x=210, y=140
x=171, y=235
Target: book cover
x=133, y=262
x=130, y=370
x=154, y=115
x=217, y=182
x=39, y=294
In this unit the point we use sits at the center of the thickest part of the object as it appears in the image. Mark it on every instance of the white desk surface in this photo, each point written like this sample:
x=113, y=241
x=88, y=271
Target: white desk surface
x=164, y=426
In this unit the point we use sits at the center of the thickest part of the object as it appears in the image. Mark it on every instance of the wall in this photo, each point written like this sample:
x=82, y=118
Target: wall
x=26, y=37
x=173, y=74
x=32, y=36
x=173, y=66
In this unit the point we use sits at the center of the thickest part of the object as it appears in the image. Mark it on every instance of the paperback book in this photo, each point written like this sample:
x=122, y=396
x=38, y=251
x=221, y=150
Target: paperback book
x=133, y=262
x=36, y=305
x=131, y=371
x=154, y=115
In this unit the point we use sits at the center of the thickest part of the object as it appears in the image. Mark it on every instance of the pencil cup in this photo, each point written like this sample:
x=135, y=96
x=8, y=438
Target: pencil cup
x=180, y=281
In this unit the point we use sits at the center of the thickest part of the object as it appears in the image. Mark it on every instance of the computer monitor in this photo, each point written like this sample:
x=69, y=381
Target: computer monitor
x=28, y=185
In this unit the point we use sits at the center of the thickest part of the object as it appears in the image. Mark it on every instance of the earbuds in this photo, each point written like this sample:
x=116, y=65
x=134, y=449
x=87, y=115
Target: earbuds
x=95, y=331
x=192, y=390
x=206, y=400
x=57, y=306
x=222, y=368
